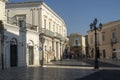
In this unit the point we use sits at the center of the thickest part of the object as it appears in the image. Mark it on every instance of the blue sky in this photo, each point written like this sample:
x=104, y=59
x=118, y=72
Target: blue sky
x=78, y=14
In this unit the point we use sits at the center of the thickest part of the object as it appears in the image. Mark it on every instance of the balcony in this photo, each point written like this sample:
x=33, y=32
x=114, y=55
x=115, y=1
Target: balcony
x=31, y=27
x=57, y=35
x=12, y=21
x=47, y=32
x=22, y=24
x=52, y=34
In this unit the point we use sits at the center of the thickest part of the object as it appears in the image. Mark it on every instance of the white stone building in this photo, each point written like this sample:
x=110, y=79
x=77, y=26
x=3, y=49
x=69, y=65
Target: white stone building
x=23, y=24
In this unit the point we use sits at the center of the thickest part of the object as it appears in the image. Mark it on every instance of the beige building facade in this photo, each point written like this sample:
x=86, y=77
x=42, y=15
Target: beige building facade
x=47, y=22
x=108, y=41
x=77, y=45
x=21, y=26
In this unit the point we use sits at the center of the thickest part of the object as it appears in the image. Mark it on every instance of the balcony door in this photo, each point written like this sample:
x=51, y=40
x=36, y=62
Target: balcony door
x=13, y=53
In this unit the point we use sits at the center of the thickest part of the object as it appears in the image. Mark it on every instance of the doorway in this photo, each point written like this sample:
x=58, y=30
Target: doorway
x=13, y=53
x=31, y=55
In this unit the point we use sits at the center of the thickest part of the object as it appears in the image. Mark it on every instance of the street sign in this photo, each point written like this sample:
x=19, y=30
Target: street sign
x=40, y=49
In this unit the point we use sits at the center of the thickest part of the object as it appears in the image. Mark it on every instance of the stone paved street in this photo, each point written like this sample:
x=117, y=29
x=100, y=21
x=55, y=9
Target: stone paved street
x=103, y=75
x=62, y=70
x=39, y=73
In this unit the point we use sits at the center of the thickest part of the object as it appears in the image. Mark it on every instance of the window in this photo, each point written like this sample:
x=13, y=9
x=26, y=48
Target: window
x=91, y=39
x=49, y=26
x=104, y=54
x=113, y=35
x=21, y=23
x=76, y=42
x=59, y=30
x=45, y=23
x=53, y=26
x=97, y=38
x=103, y=36
x=21, y=20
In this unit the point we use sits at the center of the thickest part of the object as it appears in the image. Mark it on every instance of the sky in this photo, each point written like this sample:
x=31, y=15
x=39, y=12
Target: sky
x=78, y=14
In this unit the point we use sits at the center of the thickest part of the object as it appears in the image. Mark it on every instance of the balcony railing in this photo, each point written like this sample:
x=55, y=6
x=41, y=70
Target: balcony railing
x=12, y=21
x=47, y=32
x=22, y=25
x=52, y=34
x=31, y=27
x=59, y=36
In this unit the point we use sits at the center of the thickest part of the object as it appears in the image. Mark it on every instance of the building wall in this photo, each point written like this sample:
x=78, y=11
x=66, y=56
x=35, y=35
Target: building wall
x=77, y=48
x=104, y=40
x=35, y=43
x=83, y=45
x=9, y=34
x=2, y=9
x=48, y=22
x=108, y=30
x=38, y=12
x=53, y=22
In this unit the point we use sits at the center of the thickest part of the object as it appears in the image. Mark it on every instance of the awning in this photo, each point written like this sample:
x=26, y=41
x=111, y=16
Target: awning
x=116, y=51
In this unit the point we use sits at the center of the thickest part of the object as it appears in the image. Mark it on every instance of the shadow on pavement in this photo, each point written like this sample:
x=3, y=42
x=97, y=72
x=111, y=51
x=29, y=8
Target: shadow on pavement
x=84, y=63
x=101, y=63
x=103, y=75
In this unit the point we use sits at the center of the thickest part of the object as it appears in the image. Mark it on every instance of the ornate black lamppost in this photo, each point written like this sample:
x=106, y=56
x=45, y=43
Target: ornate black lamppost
x=95, y=28
x=42, y=40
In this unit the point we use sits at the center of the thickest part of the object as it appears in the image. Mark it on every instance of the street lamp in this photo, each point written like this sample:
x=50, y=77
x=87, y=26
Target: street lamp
x=42, y=40
x=95, y=28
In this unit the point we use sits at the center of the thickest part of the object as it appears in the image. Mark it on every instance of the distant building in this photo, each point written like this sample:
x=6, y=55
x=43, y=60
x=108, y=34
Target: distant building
x=87, y=47
x=77, y=45
x=108, y=41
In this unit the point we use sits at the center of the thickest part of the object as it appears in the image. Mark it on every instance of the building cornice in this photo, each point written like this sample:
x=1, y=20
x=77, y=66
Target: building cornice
x=33, y=4
x=22, y=4
x=110, y=24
